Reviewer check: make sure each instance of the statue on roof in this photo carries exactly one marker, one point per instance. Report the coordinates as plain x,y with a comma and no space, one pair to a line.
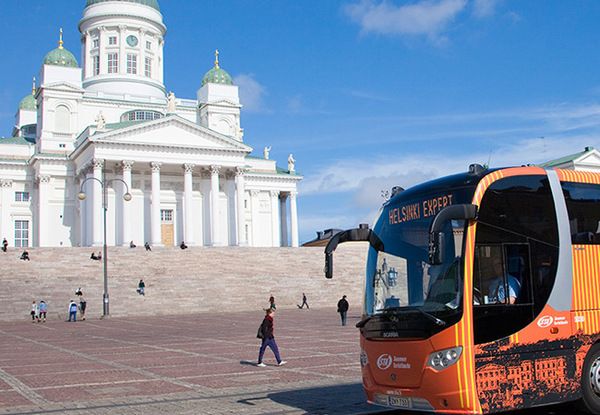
291,163
100,121
171,103
266,152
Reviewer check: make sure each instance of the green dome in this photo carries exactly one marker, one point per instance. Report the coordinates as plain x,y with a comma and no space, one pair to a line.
217,75
28,103
149,3
61,57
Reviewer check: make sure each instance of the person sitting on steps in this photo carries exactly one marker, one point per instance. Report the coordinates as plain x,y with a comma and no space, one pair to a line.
25,256
183,245
131,244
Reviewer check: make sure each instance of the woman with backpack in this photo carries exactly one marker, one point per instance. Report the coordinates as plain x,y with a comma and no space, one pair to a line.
265,332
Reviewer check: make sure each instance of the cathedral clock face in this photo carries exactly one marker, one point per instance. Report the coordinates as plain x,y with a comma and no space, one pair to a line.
132,40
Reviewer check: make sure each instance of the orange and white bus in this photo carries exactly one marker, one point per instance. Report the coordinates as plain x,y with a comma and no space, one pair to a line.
482,292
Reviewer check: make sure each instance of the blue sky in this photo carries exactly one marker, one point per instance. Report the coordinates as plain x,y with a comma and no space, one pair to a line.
366,94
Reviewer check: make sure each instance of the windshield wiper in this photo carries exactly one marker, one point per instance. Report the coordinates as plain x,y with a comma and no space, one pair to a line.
431,317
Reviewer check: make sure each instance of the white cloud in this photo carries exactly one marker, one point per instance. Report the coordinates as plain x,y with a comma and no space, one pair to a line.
252,93
423,18
365,179
484,8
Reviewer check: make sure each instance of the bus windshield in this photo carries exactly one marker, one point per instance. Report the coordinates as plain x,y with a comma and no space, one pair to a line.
400,281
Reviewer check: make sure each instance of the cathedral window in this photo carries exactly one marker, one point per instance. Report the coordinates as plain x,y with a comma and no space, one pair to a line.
96,63
62,119
148,68
141,115
148,45
21,233
95,43
113,63
21,196
112,40
131,63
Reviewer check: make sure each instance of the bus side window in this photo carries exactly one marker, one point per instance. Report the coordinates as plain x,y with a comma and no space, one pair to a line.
583,205
516,227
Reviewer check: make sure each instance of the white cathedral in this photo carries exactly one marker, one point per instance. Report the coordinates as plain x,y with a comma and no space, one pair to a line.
108,130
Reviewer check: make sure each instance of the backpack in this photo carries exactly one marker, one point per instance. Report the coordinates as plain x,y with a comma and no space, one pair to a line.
259,334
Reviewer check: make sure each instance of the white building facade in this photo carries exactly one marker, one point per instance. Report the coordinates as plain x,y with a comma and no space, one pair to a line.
108,127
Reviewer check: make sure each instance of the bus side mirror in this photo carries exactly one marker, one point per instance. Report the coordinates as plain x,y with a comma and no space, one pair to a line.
436,236
362,233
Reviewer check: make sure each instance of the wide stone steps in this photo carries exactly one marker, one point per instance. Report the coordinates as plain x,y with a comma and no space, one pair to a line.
177,282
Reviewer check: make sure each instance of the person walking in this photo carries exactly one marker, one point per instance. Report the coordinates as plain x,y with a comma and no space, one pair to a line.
34,311
304,302
272,303
266,333
4,245
342,308
147,246
72,311
82,306
43,309
141,287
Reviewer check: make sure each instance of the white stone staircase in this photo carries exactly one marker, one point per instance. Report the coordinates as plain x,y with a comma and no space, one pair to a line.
195,280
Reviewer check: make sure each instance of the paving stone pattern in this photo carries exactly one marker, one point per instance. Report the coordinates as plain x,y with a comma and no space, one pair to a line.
177,282
200,363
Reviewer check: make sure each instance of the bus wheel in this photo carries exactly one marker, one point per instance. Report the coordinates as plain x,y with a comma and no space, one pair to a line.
590,381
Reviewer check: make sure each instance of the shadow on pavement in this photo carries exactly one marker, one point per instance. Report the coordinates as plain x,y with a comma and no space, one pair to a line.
340,399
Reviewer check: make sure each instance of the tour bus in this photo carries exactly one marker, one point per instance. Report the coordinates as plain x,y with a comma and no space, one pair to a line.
482,292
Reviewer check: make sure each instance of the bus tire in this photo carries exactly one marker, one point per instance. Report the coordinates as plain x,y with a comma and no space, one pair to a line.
590,381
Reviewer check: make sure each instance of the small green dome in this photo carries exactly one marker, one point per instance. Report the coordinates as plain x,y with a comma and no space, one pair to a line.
61,57
28,103
149,3
217,75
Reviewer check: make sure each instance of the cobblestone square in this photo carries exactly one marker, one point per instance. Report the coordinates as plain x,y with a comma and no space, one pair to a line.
185,364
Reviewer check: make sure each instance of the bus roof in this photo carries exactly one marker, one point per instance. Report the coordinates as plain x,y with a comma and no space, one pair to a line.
454,181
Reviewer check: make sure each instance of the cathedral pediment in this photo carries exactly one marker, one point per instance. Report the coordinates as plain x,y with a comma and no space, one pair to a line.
63,86
171,131
589,158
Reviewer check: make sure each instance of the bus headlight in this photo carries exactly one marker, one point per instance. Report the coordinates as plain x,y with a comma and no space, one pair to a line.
444,358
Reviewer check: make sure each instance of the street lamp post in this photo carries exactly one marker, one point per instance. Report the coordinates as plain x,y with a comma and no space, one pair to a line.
127,198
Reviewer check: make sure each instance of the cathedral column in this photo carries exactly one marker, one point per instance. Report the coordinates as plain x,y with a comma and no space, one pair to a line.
214,204
275,218
5,210
102,40
188,226
97,216
87,66
42,212
155,232
294,218
284,220
122,52
254,215
241,211
126,222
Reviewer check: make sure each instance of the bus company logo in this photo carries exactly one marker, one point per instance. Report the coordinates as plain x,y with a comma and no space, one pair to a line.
545,321
384,361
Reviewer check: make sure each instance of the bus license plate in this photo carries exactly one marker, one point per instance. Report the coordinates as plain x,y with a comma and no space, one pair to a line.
399,402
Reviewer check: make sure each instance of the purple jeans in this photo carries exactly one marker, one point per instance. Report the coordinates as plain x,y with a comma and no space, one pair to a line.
271,343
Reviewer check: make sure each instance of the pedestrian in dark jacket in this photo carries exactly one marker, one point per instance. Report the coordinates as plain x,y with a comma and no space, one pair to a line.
141,289
265,332
304,302
342,308
4,245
